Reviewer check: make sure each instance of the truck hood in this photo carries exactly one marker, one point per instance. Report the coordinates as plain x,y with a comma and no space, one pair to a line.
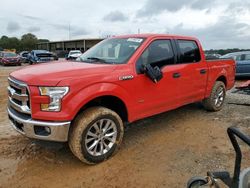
50,74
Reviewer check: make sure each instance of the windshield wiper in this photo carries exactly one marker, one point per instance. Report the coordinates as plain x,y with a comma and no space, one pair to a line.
97,59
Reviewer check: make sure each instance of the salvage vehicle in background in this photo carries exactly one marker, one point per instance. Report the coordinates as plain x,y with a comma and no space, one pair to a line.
9,58
74,54
120,80
55,56
242,62
23,56
238,179
212,56
40,56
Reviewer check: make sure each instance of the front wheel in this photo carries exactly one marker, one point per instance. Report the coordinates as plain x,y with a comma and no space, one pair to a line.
217,97
96,135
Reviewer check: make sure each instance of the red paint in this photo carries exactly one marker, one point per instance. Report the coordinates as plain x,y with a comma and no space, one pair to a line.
141,96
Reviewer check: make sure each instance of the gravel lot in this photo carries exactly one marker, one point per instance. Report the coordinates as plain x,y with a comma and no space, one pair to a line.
161,151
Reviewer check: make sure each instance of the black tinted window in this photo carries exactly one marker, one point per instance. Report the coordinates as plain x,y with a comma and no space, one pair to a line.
158,53
189,51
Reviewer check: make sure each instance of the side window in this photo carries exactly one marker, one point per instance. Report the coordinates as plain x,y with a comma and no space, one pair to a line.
158,53
238,57
247,57
190,52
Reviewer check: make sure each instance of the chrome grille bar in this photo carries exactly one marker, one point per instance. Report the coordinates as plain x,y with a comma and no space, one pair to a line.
18,96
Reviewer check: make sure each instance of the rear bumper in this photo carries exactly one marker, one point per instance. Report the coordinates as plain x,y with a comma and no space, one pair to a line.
42,130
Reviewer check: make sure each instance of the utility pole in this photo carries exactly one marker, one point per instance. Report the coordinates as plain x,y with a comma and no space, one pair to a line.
69,31
139,31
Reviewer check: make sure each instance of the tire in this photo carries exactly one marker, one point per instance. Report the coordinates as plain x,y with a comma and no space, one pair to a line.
217,97
196,182
85,141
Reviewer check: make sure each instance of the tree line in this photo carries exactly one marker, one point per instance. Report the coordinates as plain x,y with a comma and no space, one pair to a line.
27,42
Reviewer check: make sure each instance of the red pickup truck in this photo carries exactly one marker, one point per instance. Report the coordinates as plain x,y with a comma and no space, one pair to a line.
120,80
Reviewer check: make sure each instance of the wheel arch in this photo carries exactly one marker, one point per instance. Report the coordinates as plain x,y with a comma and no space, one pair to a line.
108,101
223,79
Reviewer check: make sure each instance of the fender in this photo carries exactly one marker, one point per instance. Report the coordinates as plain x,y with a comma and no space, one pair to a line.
76,99
85,95
213,79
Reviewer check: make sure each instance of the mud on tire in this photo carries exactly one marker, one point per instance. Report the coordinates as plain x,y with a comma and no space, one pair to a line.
216,99
96,135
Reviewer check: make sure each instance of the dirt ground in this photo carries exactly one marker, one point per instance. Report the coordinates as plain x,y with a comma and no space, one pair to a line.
161,151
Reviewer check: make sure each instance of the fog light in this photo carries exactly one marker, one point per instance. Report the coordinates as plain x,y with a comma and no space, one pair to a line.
47,129
42,131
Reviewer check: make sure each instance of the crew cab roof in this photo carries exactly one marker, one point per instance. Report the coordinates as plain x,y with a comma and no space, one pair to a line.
147,35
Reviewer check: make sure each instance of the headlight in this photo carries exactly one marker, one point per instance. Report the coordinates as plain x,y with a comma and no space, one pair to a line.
55,94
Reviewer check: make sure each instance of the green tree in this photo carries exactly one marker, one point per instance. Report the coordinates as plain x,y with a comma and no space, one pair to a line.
29,42
14,43
4,42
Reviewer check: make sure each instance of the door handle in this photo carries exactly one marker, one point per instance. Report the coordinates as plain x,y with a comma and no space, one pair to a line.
176,75
203,71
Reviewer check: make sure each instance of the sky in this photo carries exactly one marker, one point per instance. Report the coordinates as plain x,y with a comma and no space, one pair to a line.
217,23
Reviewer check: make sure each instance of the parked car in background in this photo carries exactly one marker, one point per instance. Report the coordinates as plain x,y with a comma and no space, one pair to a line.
120,80
23,56
242,62
74,54
55,56
9,58
40,56
212,56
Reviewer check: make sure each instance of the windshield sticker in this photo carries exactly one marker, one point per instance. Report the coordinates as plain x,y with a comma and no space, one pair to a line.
138,40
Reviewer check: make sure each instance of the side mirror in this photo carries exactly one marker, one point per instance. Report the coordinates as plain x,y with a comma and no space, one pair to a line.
154,74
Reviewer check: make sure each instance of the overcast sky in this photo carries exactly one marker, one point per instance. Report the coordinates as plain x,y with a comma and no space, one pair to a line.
218,23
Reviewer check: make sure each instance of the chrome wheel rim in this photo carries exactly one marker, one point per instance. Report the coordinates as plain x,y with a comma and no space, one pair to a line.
100,137
219,97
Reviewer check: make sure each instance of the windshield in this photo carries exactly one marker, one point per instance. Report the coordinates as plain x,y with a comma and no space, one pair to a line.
112,51
9,55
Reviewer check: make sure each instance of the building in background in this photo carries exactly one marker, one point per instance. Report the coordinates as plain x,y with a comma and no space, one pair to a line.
61,48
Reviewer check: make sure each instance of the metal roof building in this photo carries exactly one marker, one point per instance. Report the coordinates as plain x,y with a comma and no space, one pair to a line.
63,47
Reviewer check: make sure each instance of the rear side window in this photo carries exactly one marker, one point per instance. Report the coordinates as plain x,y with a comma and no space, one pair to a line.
247,57
189,50
238,58
158,53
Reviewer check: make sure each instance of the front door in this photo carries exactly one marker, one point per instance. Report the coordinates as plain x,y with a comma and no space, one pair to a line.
153,98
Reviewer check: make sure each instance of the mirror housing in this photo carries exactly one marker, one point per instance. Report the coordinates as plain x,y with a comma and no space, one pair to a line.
154,74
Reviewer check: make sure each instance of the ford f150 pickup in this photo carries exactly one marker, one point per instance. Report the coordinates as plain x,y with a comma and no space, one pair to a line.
120,80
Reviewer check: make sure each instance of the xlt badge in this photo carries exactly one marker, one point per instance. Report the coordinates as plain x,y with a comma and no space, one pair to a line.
128,77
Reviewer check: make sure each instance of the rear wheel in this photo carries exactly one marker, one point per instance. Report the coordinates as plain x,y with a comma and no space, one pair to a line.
217,97
96,135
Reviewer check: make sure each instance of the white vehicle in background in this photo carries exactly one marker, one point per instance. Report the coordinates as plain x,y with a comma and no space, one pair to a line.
74,54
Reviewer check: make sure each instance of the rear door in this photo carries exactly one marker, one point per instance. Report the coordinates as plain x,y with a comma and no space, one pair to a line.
193,71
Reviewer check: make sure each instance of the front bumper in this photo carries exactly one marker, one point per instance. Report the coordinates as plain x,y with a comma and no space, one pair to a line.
42,130
11,63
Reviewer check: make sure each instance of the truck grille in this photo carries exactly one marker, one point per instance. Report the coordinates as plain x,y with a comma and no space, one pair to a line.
18,96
